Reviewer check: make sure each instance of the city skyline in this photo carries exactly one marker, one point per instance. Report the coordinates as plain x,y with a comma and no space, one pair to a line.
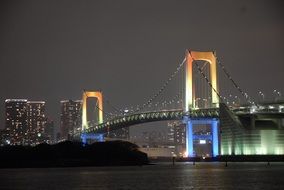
53,52
92,90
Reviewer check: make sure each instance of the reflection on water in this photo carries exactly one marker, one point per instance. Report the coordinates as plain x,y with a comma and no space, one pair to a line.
161,176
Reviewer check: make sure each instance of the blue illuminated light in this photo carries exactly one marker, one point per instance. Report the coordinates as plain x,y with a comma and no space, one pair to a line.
97,137
190,137
214,127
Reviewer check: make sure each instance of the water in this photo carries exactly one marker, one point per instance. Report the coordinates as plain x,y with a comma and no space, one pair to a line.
161,176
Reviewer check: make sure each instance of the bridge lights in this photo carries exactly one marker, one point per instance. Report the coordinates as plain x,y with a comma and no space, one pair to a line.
261,95
277,95
238,100
205,102
281,108
196,102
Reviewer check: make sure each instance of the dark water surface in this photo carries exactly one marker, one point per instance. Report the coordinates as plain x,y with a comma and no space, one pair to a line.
161,176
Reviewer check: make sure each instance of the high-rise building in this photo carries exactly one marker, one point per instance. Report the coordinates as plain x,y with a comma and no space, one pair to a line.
177,136
16,120
171,132
36,122
4,137
176,133
50,131
70,118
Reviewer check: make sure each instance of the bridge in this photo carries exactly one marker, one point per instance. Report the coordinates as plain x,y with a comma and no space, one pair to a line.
217,112
144,117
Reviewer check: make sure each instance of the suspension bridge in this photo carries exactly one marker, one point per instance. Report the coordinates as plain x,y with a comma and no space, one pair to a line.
215,110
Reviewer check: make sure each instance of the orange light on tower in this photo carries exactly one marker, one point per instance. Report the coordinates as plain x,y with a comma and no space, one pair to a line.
91,94
189,92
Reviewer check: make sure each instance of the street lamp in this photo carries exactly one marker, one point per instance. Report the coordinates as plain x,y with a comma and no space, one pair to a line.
196,102
279,94
275,94
205,102
261,94
239,100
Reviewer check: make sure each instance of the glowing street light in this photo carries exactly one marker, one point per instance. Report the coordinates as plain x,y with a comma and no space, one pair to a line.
238,99
261,94
196,102
275,94
205,102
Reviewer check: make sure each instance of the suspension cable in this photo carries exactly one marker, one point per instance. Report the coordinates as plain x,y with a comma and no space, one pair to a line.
116,109
161,90
208,82
107,113
245,95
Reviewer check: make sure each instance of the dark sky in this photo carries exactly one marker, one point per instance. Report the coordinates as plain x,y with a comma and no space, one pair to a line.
52,50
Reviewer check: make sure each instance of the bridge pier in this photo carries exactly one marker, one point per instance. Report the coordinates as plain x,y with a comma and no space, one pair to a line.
95,137
190,137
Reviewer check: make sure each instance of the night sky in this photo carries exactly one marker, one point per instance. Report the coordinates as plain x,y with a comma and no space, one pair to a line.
52,50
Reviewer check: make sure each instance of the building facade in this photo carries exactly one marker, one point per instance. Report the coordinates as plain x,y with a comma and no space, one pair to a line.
16,121
120,134
177,136
70,118
36,122
50,131
25,122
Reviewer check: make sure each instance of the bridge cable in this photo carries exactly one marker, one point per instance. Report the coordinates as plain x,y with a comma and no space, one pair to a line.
245,95
107,113
162,88
208,82
116,109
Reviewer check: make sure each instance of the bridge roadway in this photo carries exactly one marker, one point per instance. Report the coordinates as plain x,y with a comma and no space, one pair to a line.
163,115
176,114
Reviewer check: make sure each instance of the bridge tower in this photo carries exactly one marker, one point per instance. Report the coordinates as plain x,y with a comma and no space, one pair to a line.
210,57
189,90
99,96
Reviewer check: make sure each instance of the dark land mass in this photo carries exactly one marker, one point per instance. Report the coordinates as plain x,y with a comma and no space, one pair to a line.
72,154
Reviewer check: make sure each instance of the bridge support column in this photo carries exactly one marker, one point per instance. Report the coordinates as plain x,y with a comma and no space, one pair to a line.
190,137
192,56
95,137
215,138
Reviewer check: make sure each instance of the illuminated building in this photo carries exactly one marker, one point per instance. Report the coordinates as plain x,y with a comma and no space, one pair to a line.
36,121
16,120
176,133
49,131
251,134
4,137
179,134
70,118
171,132
119,133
